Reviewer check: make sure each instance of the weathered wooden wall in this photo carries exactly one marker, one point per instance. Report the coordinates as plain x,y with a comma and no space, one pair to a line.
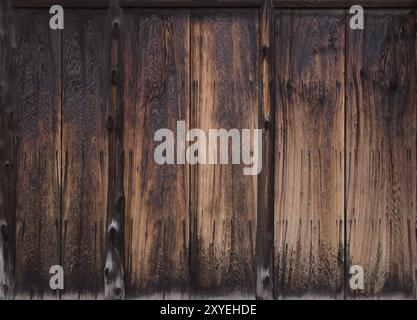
80,187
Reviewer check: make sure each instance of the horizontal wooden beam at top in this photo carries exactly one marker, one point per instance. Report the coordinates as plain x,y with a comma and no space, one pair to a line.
137,3
218,3
191,3
345,3
277,3
64,3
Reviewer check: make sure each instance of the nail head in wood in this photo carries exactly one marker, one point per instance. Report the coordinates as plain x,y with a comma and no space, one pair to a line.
6,166
116,27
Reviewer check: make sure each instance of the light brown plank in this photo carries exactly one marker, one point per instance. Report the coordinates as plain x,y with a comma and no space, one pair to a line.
309,159
381,153
224,208
156,95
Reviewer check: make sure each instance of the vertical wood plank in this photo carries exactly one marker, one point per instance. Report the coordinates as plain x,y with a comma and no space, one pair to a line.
38,100
381,153
224,201
265,230
114,267
84,152
309,165
156,95
7,169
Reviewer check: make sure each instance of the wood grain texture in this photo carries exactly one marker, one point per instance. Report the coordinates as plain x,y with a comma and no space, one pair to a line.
265,230
224,94
114,285
7,154
38,101
156,95
219,3
84,152
309,159
381,153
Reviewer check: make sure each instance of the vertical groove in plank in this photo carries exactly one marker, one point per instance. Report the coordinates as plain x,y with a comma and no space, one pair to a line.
309,159
84,152
38,102
156,95
114,265
224,205
7,169
265,230
381,153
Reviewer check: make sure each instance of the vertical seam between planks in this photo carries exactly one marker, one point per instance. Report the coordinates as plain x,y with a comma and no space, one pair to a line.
273,134
61,152
120,62
344,158
415,137
13,143
265,181
189,165
260,117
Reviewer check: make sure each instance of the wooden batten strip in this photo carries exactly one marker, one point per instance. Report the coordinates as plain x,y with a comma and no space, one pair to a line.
264,242
114,270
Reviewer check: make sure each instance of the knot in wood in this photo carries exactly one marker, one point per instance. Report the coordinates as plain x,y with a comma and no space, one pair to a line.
264,51
266,125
